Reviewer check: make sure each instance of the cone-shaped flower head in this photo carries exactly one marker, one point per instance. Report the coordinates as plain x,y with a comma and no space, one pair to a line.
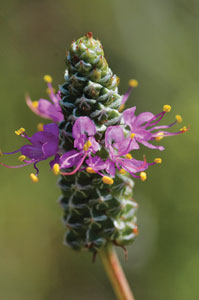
95,146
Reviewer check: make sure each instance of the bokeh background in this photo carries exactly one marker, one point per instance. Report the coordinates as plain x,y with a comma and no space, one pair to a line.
155,42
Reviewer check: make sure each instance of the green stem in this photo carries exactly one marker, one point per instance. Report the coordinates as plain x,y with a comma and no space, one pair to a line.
116,274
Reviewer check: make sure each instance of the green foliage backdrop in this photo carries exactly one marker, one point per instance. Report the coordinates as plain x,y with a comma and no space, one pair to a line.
155,42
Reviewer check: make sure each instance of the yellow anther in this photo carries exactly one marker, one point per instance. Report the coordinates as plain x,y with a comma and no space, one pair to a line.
167,108
122,171
178,118
132,135
1,153
121,108
21,157
107,180
158,160
133,83
56,169
184,129
48,91
35,104
40,126
87,145
143,176
128,156
34,178
159,136
90,170
48,78
20,131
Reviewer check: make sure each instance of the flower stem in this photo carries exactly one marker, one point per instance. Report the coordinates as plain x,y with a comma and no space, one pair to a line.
115,273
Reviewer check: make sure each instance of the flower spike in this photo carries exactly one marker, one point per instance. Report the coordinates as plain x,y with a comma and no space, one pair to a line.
93,146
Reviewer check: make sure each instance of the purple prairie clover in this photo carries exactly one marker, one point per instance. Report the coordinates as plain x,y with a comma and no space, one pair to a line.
83,133
43,144
119,156
44,108
144,127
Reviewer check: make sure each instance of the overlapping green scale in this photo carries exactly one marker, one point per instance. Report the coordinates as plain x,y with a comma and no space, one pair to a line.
94,213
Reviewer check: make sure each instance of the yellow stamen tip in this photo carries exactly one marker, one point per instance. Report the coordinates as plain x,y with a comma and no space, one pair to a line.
35,104
121,108
184,129
90,170
48,78
133,83
20,131
34,178
167,108
132,135
107,180
21,157
56,169
40,126
122,171
87,145
178,118
159,136
143,176
128,156
1,153
158,160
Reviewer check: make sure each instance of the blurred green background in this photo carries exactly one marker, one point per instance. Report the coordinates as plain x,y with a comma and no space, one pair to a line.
155,42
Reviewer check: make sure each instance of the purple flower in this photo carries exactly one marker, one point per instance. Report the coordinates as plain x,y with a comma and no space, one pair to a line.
83,133
43,144
44,108
119,156
144,129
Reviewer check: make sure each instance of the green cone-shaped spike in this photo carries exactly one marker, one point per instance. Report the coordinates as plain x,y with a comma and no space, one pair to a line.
95,213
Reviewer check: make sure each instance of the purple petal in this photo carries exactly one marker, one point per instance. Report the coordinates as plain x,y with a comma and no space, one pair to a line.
110,167
52,128
133,165
70,159
114,134
49,110
32,152
126,146
49,149
34,109
142,134
80,141
83,125
95,145
142,118
96,163
129,115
